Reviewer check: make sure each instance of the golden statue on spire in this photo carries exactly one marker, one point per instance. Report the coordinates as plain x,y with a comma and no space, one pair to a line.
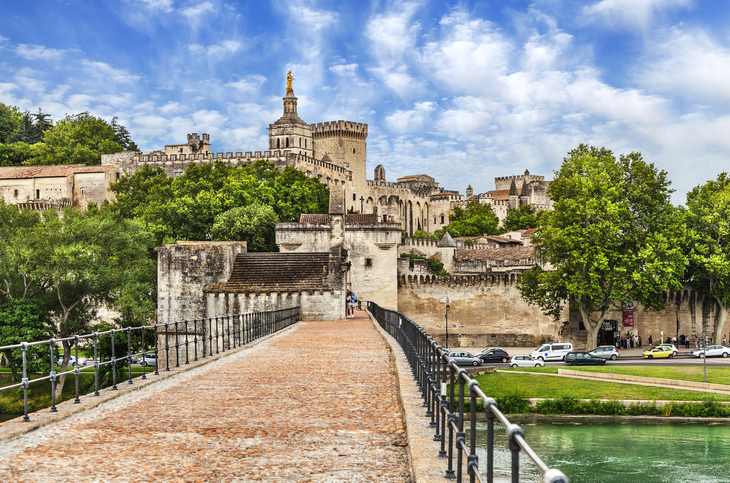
289,89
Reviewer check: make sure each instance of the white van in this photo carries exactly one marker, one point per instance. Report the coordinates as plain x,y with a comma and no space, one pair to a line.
552,352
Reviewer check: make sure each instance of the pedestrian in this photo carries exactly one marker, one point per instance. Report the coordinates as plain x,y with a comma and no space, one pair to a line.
674,341
636,341
353,301
724,340
348,305
697,342
639,342
650,341
686,342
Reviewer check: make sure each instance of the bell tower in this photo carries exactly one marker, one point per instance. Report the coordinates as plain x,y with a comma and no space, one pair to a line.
289,134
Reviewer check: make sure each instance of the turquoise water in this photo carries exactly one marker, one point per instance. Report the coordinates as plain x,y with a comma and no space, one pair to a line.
620,452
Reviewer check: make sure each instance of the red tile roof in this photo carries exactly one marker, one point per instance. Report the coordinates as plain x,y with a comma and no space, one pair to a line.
55,171
516,253
498,194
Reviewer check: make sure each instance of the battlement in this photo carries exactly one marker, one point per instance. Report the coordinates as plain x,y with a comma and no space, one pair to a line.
194,138
339,128
531,177
416,277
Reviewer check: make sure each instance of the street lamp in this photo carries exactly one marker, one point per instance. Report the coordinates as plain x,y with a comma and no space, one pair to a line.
447,322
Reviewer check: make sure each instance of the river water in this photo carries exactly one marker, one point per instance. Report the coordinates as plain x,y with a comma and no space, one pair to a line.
620,451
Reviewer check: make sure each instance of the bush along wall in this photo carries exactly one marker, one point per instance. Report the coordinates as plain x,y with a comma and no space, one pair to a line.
572,406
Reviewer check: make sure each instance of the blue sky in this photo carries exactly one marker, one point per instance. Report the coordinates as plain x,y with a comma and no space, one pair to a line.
463,91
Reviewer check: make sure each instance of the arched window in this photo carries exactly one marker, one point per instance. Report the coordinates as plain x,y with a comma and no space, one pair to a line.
287,142
278,143
442,219
434,220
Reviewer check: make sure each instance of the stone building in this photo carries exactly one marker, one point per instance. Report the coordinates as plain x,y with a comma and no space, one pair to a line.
334,152
511,192
55,187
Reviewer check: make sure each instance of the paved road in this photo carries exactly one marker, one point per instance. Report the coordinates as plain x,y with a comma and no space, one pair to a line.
317,403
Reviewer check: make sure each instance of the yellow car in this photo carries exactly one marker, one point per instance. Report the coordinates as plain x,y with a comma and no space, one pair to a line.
658,352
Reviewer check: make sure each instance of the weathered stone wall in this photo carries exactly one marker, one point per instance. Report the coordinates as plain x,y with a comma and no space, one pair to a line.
184,269
485,310
93,188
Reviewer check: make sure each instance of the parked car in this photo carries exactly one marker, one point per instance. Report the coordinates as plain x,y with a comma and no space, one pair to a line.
494,355
583,359
525,361
712,351
671,346
148,360
552,351
605,352
659,352
464,358
72,361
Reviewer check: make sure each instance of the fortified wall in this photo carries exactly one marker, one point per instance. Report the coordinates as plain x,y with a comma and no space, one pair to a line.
486,310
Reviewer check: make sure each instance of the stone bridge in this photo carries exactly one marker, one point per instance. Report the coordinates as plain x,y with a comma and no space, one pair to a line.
323,401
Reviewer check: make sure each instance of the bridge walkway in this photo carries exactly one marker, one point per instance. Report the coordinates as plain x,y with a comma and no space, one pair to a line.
318,402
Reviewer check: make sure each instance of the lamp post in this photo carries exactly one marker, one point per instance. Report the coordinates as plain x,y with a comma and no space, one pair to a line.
447,322
704,354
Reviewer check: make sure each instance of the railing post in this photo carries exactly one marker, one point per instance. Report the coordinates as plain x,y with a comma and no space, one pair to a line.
216,335
489,406
187,343
129,354
144,352
52,343
472,461
210,336
460,434
195,338
96,364
77,369
25,383
451,423
512,431
167,347
177,345
157,349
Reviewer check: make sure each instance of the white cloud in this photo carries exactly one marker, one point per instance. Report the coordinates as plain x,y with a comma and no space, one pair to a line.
636,13
171,107
224,48
393,34
163,5
689,65
248,84
38,52
313,20
196,10
414,120
107,72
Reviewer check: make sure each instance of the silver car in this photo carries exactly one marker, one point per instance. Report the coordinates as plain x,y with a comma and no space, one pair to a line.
465,358
525,361
605,352
712,351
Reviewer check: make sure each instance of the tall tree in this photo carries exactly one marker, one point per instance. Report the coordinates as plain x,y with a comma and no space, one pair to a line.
24,320
522,218
96,259
77,139
122,136
613,235
253,223
10,120
475,220
708,244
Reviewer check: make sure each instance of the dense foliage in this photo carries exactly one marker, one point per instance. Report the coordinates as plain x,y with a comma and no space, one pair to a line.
27,138
74,264
197,205
612,235
522,218
475,220
708,244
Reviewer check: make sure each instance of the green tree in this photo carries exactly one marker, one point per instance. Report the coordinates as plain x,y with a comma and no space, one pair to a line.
11,120
475,220
77,139
424,235
185,208
253,223
94,259
122,136
23,320
708,244
612,235
15,154
522,218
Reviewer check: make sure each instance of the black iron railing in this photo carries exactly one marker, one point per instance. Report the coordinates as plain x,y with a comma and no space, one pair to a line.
173,342
438,379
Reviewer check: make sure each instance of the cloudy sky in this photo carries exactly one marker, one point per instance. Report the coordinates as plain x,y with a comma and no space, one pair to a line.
464,91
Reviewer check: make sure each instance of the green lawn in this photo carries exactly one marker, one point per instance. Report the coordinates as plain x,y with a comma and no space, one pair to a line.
715,375
501,384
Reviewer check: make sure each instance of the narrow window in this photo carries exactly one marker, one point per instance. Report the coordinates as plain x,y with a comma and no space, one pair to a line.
117,175
442,219
16,193
354,197
305,144
37,194
353,150
300,142
82,191
287,142
278,143
434,220
368,262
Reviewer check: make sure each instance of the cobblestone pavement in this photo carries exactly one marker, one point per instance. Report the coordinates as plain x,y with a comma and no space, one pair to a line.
316,403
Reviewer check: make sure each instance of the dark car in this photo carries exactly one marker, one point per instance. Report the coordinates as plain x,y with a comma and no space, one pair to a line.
494,355
583,359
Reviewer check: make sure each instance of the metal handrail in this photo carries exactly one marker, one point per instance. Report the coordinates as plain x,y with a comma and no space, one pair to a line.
246,328
438,378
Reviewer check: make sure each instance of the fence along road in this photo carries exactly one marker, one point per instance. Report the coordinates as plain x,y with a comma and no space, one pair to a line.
318,402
